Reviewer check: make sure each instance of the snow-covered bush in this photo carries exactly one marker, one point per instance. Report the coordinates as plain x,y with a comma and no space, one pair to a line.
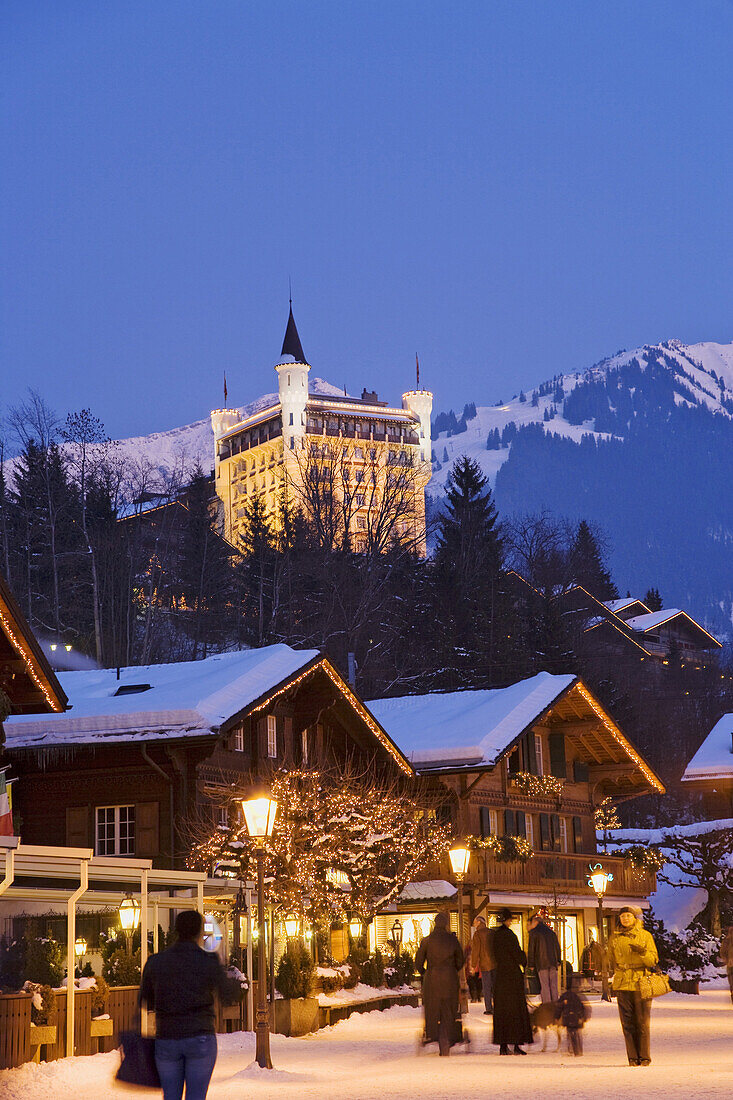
372,970
295,973
43,1003
330,980
121,968
401,971
44,958
688,955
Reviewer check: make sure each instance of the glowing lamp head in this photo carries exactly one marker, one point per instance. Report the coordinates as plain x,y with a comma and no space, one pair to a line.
80,947
355,929
598,880
129,911
291,927
259,815
459,860
397,931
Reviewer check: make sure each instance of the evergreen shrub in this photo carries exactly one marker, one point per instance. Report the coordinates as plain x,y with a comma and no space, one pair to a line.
295,973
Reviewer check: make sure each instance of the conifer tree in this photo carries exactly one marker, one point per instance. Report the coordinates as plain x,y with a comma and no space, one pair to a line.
588,568
653,600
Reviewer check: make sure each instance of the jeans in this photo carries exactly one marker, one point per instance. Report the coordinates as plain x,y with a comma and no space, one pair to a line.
548,984
487,986
190,1061
635,1015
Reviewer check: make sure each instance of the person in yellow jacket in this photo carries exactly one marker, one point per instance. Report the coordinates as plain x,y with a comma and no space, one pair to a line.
632,952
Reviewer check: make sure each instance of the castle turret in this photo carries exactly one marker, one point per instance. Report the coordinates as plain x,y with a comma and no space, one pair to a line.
420,404
222,421
293,393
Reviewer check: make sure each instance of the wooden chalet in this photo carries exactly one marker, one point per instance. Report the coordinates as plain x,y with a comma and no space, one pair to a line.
135,755
532,760
26,678
710,771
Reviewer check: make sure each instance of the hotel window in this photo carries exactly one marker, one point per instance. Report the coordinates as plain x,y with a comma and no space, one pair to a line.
563,822
358,451
271,736
529,826
359,500
115,831
361,523
223,817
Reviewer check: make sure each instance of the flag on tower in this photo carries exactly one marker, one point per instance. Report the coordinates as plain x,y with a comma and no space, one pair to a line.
417,366
225,389
6,810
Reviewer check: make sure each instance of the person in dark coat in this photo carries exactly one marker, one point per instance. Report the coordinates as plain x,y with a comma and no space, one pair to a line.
439,959
511,1017
572,1012
543,955
179,985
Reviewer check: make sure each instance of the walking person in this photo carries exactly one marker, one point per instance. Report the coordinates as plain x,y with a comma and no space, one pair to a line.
543,955
726,956
511,1018
179,985
631,952
439,960
483,962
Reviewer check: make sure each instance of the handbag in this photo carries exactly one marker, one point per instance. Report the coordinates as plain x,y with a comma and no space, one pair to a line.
653,983
138,1060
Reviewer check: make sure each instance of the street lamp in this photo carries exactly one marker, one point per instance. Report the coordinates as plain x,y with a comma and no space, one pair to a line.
129,910
80,948
291,927
355,930
598,880
459,857
397,937
259,816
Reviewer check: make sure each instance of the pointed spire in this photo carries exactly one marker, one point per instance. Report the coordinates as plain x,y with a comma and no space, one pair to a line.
291,343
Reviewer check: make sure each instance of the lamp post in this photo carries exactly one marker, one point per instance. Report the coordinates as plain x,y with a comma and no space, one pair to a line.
355,927
291,927
259,816
397,937
129,910
598,880
459,857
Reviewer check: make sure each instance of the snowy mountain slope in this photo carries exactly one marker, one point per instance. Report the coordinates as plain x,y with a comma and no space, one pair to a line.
702,373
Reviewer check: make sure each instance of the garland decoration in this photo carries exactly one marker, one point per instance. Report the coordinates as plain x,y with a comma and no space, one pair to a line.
538,786
504,849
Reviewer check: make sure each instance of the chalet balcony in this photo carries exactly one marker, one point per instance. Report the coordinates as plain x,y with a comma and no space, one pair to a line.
545,870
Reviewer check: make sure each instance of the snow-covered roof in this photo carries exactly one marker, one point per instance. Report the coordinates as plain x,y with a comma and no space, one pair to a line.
619,605
462,728
431,890
714,758
644,623
185,699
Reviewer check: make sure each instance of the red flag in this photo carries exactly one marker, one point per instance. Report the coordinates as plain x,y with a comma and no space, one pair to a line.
6,813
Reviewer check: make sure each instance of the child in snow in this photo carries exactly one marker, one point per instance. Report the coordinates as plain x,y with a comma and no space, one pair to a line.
572,1012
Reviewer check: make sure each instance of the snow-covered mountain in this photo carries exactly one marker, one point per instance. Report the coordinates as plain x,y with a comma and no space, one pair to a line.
698,375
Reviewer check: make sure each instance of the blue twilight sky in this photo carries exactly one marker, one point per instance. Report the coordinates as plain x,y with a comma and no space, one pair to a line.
511,189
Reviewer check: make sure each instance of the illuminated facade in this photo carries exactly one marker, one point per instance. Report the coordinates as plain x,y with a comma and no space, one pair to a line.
282,450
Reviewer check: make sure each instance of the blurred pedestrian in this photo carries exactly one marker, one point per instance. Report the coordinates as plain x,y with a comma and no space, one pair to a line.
483,962
439,960
179,986
572,1012
726,956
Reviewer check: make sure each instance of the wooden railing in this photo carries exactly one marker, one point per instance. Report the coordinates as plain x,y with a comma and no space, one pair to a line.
545,870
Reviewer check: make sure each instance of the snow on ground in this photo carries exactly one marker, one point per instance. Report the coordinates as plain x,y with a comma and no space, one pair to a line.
368,1057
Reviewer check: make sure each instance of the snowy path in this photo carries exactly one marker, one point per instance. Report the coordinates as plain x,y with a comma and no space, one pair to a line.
374,1056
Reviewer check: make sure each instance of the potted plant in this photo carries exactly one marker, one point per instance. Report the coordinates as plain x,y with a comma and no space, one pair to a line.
296,1013
101,1020
43,1017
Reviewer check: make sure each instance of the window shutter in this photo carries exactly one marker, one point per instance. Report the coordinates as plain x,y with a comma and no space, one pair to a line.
557,755
555,833
509,823
530,754
77,827
545,842
577,834
514,763
147,842
521,828
580,771
485,820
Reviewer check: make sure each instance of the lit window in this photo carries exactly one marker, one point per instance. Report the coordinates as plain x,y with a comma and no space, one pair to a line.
271,736
115,831
538,753
239,740
304,746
529,828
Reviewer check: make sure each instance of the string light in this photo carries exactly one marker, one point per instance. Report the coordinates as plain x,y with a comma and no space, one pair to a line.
620,739
28,658
538,786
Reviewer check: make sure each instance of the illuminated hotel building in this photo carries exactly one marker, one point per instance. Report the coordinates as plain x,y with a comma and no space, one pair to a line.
272,452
